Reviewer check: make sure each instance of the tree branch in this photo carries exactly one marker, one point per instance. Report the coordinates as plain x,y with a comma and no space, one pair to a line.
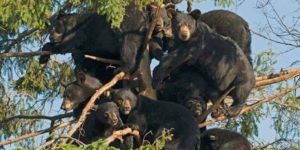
275,78
62,125
281,93
105,60
215,105
52,118
120,133
90,104
279,42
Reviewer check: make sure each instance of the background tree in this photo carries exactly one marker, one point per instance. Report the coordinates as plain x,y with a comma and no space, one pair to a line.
29,92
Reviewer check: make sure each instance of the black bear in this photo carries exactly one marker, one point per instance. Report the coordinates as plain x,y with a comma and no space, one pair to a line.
220,60
100,124
92,34
185,86
221,139
79,91
230,24
146,115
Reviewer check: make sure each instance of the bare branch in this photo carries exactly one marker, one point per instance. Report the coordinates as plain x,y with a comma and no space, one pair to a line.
282,76
52,118
105,60
281,93
279,42
62,125
272,143
35,53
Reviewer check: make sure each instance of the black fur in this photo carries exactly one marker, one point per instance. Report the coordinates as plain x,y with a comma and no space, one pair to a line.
219,59
92,34
100,123
221,139
186,86
147,115
79,91
230,24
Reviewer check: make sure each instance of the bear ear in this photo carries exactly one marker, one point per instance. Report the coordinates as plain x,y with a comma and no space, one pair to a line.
195,13
170,6
80,76
171,12
113,93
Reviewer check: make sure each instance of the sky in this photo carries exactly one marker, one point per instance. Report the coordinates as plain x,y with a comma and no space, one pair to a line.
256,20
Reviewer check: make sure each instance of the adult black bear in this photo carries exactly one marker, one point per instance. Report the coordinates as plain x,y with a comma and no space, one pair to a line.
220,60
92,34
221,139
230,24
146,115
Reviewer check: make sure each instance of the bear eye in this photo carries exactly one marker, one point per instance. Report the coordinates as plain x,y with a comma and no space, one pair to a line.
189,26
106,115
119,101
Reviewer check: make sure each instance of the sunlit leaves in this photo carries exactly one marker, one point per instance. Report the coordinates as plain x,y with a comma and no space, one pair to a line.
30,13
264,62
224,3
100,144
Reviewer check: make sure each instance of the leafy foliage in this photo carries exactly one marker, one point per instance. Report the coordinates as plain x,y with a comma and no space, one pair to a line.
29,13
101,144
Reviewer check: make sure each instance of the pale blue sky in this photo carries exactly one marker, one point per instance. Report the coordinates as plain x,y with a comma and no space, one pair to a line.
256,20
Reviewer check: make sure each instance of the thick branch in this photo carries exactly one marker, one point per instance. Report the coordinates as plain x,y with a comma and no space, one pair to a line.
36,133
52,118
91,102
252,106
273,75
282,76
